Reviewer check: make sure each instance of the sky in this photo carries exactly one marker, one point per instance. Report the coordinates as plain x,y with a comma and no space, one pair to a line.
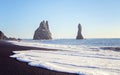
99,18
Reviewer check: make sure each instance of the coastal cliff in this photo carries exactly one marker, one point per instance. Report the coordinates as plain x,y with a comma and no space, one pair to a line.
2,36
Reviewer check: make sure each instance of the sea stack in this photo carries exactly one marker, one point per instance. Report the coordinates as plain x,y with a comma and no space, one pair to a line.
42,32
79,34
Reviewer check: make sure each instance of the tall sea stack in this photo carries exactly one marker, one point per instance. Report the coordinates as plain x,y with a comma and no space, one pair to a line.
79,34
42,32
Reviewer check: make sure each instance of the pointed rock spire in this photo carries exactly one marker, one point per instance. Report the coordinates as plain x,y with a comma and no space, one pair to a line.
79,34
42,32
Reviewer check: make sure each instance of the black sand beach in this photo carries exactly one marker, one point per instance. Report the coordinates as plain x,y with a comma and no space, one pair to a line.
10,66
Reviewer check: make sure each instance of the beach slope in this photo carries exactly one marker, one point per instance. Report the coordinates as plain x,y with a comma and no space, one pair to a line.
10,66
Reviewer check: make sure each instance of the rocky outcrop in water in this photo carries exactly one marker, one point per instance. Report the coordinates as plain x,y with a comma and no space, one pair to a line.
2,36
42,32
79,34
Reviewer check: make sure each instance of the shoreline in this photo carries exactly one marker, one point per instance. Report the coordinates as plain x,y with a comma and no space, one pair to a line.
10,66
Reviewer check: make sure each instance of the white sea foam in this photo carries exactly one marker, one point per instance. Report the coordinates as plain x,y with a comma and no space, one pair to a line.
83,60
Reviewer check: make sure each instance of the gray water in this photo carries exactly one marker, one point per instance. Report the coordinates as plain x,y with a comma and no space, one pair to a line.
88,42
84,57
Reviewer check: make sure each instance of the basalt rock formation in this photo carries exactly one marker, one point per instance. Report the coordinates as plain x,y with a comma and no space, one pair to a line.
2,36
79,34
42,32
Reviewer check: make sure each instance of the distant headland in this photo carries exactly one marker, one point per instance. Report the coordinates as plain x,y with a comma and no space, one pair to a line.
4,37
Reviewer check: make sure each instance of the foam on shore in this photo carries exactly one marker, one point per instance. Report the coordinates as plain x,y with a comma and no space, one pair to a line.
83,60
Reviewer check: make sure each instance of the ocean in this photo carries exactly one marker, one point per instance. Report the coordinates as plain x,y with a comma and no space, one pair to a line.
84,57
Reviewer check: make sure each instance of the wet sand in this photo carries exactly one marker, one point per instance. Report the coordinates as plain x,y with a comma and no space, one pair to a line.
10,66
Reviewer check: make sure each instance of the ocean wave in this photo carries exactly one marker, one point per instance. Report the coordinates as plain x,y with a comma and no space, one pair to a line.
80,59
